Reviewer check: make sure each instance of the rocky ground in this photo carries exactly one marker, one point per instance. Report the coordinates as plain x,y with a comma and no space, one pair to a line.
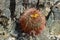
11,10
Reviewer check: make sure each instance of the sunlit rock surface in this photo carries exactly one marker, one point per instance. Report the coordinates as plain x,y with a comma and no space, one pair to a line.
11,32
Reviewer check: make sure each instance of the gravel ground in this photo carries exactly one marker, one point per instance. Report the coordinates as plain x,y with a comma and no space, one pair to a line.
49,8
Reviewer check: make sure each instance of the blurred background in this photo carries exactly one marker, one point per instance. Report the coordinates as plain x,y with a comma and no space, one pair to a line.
11,11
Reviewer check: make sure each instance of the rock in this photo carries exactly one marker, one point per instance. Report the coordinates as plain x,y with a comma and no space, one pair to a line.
52,26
